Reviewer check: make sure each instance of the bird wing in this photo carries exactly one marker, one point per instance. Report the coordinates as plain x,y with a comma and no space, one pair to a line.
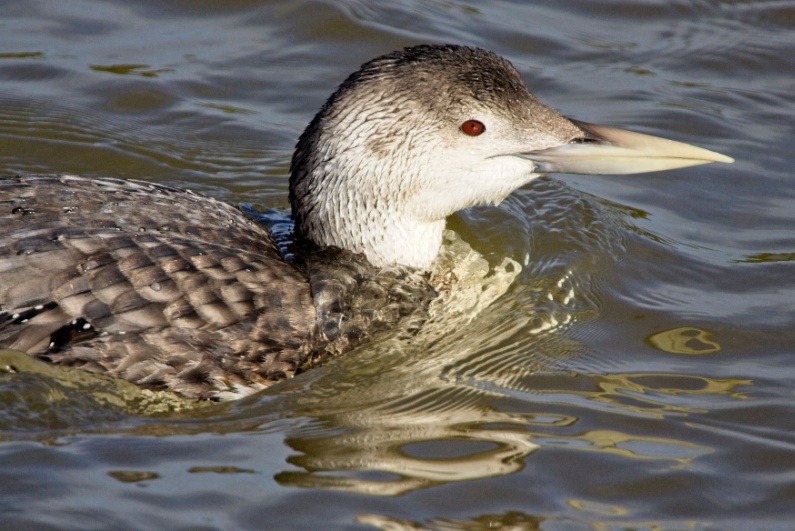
153,284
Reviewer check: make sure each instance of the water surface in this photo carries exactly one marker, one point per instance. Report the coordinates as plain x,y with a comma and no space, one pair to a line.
637,374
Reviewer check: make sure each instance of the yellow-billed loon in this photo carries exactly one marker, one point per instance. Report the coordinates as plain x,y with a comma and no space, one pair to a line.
173,290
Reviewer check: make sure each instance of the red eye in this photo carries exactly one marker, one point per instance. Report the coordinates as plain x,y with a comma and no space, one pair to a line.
473,128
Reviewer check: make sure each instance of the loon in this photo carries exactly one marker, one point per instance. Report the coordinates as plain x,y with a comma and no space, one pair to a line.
175,291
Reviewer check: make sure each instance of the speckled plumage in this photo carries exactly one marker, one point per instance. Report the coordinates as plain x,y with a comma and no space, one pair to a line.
173,290
94,276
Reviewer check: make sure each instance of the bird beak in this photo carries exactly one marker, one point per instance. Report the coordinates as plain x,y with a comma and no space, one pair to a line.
606,150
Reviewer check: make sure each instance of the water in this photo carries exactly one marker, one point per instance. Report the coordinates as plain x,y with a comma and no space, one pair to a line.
637,374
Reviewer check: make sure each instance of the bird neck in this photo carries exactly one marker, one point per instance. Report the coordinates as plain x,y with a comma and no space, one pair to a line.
336,215
354,191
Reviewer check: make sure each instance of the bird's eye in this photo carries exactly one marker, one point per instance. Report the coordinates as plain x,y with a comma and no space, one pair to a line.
473,128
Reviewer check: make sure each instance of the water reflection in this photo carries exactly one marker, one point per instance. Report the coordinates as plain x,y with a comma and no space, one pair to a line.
684,340
449,415
474,395
520,521
128,69
449,431
631,446
409,417
377,461
39,399
766,258
657,395
513,520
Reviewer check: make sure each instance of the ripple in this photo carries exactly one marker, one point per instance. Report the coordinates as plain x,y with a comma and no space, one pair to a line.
557,412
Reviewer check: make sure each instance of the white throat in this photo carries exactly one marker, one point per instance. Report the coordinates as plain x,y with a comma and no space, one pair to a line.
388,158
389,199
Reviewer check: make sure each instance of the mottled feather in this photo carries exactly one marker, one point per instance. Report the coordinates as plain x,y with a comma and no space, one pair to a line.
200,302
